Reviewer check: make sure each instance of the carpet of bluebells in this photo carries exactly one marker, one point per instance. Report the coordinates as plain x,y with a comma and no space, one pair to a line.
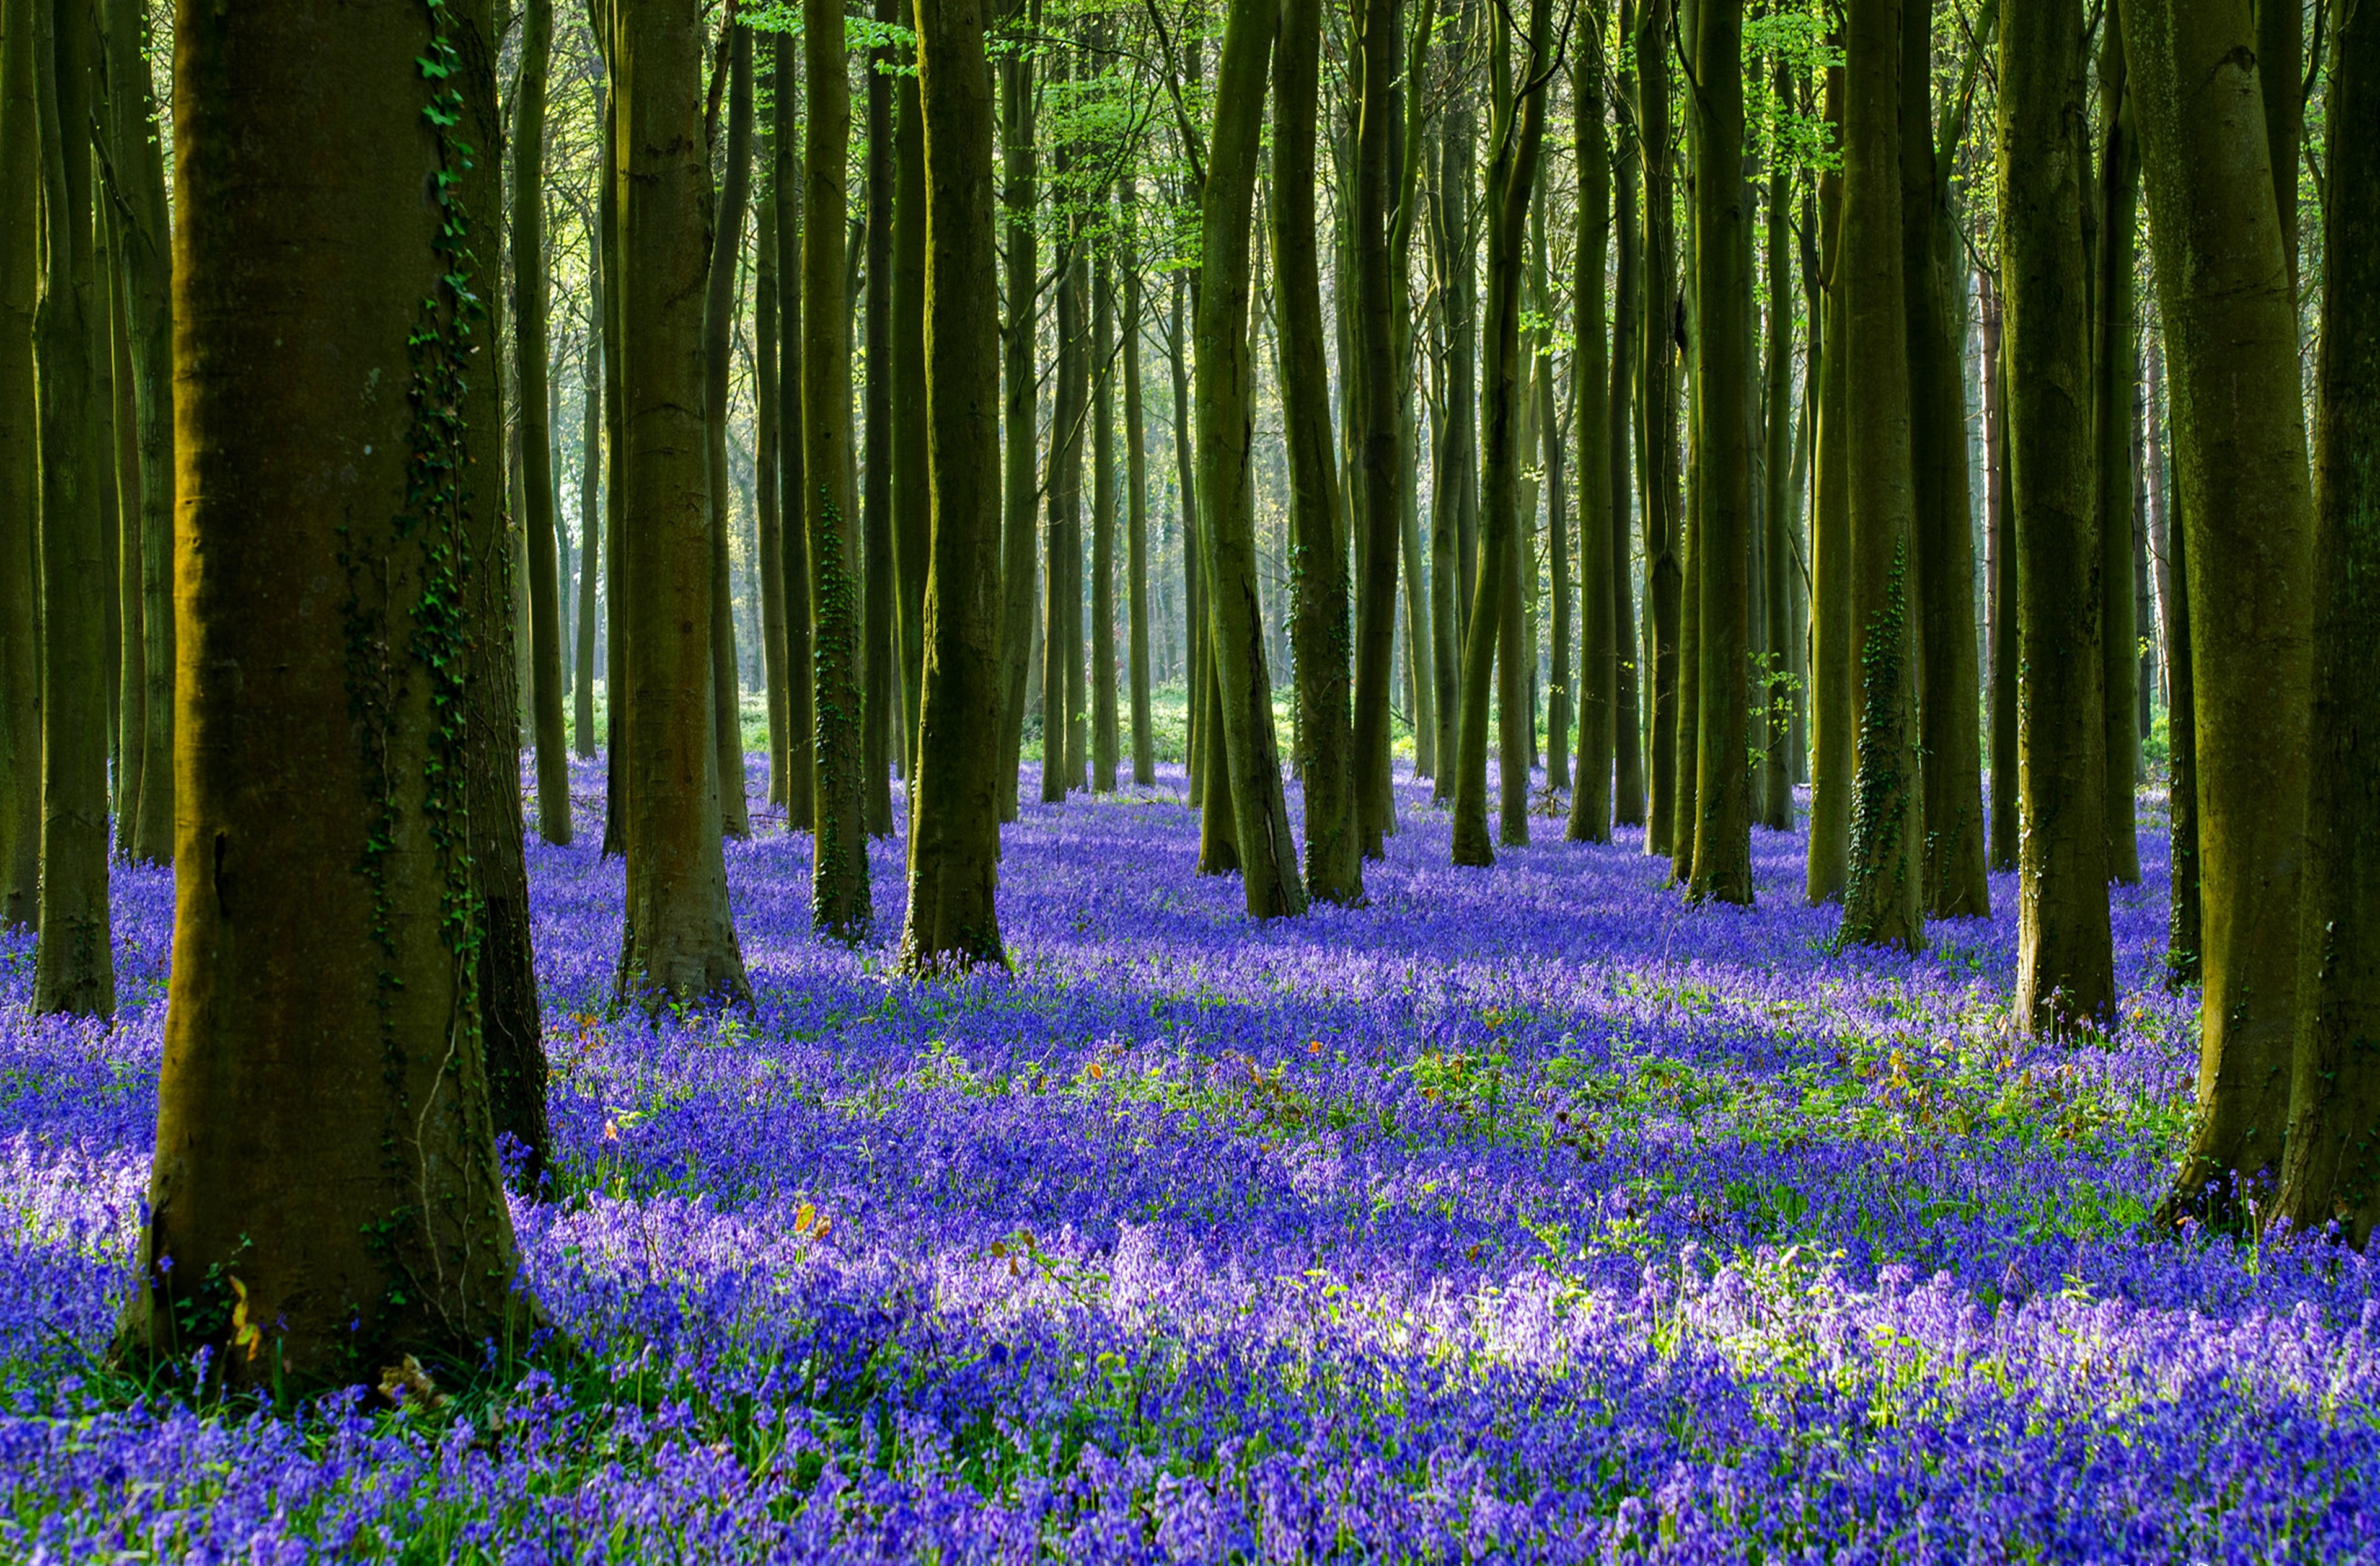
1524,1214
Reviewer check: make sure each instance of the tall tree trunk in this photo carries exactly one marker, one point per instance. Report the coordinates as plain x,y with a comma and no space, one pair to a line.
144,255
592,534
323,1127
2331,1171
2064,964
954,813
1999,524
1062,601
1020,473
727,251
1450,485
1722,867
1249,757
130,637
1420,621
529,356
1105,739
1557,549
1196,659
912,471
768,441
608,214
2230,335
1318,610
1627,737
1882,903
840,905
793,539
1776,684
22,259
1834,678
75,967
1136,458
678,941
1601,438
1663,338
1949,688
2116,373
1378,25
2182,930
880,697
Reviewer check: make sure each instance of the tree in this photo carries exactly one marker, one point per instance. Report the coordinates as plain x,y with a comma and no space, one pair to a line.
768,441
840,905
912,471
1380,375
1334,867
537,441
2331,1170
1722,860
954,831
1599,436
591,531
678,942
2230,315
1881,897
1663,337
325,1164
879,671
725,252
2065,959
1241,700
1777,546
2116,366
1020,470
1136,454
1105,740
792,534
74,967
1834,680
20,471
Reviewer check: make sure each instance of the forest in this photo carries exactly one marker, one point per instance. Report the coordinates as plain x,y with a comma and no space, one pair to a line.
1190,780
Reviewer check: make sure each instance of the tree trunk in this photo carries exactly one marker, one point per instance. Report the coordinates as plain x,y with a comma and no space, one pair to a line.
1135,459
1882,903
1949,687
128,639
1602,507
615,494
954,815
1663,338
1380,28
75,967
678,943
793,532
326,1168
2116,369
1249,758
1021,470
768,441
591,532
530,290
21,173
1776,686
1334,762
1061,600
2230,335
1834,680
880,674
1196,659
911,469
1105,740
1999,523
1627,740
720,309
1722,867
143,254
840,903
2065,972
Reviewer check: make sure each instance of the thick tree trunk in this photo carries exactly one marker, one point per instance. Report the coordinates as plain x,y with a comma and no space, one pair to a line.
1949,687
75,967
529,292
1383,474
1775,716
1627,736
840,899
1657,447
2230,334
954,813
912,471
2000,525
1318,616
2116,373
720,309
2064,964
1248,758
1882,896
793,539
324,1131
1600,438
1722,867
1834,675
880,674
143,255
1020,474
678,942
615,494
21,472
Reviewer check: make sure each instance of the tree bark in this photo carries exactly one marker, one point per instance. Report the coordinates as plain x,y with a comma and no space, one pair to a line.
74,969
21,173
529,356
2229,313
1776,687
1882,896
726,253
1136,456
879,671
2116,372
1318,610
1379,127
1105,742
1722,867
1602,507
326,1170
678,942
1627,746
955,819
1062,769
1021,470
912,472
2065,962
840,899
768,441
1999,523
793,540
1663,338
1834,678
592,534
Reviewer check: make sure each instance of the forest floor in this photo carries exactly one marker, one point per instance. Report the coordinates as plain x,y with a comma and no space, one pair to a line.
1526,1213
